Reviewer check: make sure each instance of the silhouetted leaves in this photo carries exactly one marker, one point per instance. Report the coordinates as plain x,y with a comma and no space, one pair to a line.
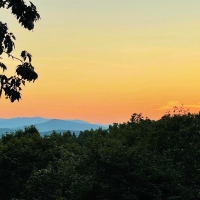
26,15
25,54
3,66
11,87
26,71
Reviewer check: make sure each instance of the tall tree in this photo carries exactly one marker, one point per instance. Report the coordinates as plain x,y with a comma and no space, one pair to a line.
26,15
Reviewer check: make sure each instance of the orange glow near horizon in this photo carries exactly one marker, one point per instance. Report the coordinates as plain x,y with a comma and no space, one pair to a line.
101,62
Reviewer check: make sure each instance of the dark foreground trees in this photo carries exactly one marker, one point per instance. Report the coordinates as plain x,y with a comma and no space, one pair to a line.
26,15
138,160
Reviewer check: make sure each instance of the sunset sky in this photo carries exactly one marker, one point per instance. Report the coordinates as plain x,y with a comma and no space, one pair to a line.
103,60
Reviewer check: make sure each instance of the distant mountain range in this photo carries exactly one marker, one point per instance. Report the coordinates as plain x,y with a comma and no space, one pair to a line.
46,125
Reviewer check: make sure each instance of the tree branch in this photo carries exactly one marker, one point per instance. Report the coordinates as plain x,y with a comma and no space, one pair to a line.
13,57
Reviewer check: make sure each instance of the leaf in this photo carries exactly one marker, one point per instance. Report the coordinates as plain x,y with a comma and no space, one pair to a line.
10,46
1,90
13,37
3,66
32,4
23,82
29,56
24,54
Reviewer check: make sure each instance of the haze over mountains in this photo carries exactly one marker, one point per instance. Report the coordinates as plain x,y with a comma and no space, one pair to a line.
46,125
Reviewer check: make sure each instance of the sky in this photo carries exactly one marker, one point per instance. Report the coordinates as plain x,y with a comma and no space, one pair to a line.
103,60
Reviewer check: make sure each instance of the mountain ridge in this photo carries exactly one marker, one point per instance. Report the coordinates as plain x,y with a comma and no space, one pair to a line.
46,125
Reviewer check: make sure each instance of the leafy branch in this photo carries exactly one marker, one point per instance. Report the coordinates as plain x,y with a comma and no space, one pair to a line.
26,15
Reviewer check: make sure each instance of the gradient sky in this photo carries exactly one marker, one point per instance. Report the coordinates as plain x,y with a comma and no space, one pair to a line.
103,60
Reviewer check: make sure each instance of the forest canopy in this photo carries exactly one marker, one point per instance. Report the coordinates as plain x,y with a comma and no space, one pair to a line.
136,160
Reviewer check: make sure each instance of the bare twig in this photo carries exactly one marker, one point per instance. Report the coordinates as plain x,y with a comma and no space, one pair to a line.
13,57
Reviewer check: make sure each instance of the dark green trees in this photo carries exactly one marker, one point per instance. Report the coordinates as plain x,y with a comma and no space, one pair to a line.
138,160
26,15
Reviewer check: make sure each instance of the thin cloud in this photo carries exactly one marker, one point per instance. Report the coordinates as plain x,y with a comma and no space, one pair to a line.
193,105
172,104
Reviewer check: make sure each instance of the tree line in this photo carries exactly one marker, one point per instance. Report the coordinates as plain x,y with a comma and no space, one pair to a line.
136,160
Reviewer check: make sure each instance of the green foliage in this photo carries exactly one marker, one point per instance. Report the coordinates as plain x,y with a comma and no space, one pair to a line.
138,160
26,16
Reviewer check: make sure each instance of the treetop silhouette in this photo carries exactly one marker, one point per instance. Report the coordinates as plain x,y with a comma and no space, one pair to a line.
26,15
